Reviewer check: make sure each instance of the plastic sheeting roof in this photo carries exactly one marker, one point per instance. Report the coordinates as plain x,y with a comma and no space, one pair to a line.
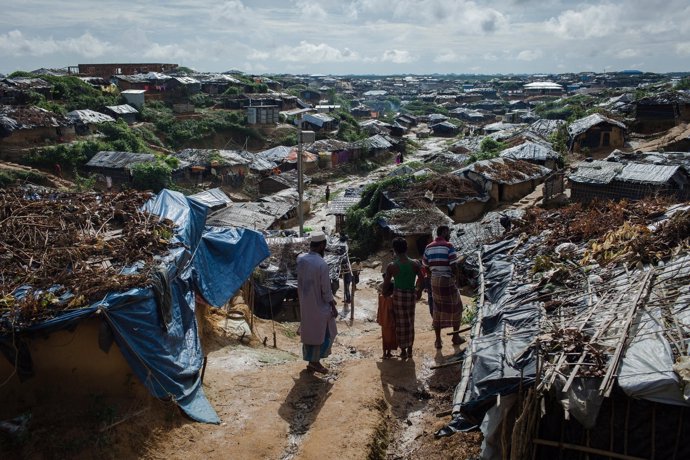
583,124
603,172
529,151
119,160
122,109
88,116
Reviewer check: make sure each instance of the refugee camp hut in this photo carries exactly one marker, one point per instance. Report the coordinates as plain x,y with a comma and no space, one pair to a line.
581,364
445,129
505,180
214,199
218,83
225,167
546,128
86,121
258,164
339,206
123,112
135,97
415,225
121,334
258,216
28,126
596,132
289,197
534,153
371,147
457,197
319,122
115,168
330,154
608,180
310,161
182,87
278,155
277,182
661,112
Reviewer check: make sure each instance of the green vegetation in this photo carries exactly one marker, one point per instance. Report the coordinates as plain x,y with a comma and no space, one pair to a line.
559,139
683,83
9,178
118,136
568,109
185,132
154,176
361,219
424,108
348,129
489,148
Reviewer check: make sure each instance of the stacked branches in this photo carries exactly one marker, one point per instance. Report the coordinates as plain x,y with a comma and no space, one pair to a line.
67,250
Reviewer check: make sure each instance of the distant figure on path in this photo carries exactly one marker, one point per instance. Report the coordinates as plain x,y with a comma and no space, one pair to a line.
406,275
441,259
317,307
328,193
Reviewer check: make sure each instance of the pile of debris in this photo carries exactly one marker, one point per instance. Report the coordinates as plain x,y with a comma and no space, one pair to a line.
436,189
508,170
63,251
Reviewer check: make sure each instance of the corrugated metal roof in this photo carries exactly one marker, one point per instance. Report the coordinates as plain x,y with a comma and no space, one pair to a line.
187,80
204,157
89,116
276,154
647,173
213,198
546,128
119,160
583,124
530,151
259,216
122,109
595,172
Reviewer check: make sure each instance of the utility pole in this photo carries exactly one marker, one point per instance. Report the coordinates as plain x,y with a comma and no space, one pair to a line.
300,180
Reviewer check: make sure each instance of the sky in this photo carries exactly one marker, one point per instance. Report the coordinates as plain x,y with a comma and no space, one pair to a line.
341,37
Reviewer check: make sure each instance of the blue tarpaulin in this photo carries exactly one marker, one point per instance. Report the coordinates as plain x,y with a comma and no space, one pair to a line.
161,342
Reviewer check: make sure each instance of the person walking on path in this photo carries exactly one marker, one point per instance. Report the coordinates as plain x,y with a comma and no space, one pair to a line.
317,306
406,276
441,259
328,193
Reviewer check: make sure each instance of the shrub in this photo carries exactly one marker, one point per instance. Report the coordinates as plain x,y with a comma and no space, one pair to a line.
153,175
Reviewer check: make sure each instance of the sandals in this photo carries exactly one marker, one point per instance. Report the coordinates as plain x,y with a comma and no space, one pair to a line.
317,368
403,354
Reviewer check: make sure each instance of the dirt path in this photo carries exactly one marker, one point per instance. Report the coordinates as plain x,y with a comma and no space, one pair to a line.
366,407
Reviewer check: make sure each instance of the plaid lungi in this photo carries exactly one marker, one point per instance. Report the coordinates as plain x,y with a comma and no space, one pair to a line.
403,311
447,304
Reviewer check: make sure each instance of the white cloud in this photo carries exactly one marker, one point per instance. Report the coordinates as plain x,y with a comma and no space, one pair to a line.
310,10
627,53
683,48
14,43
166,52
397,56
312,53
448,56
592,21
529,55
256,55
490,57
233,12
